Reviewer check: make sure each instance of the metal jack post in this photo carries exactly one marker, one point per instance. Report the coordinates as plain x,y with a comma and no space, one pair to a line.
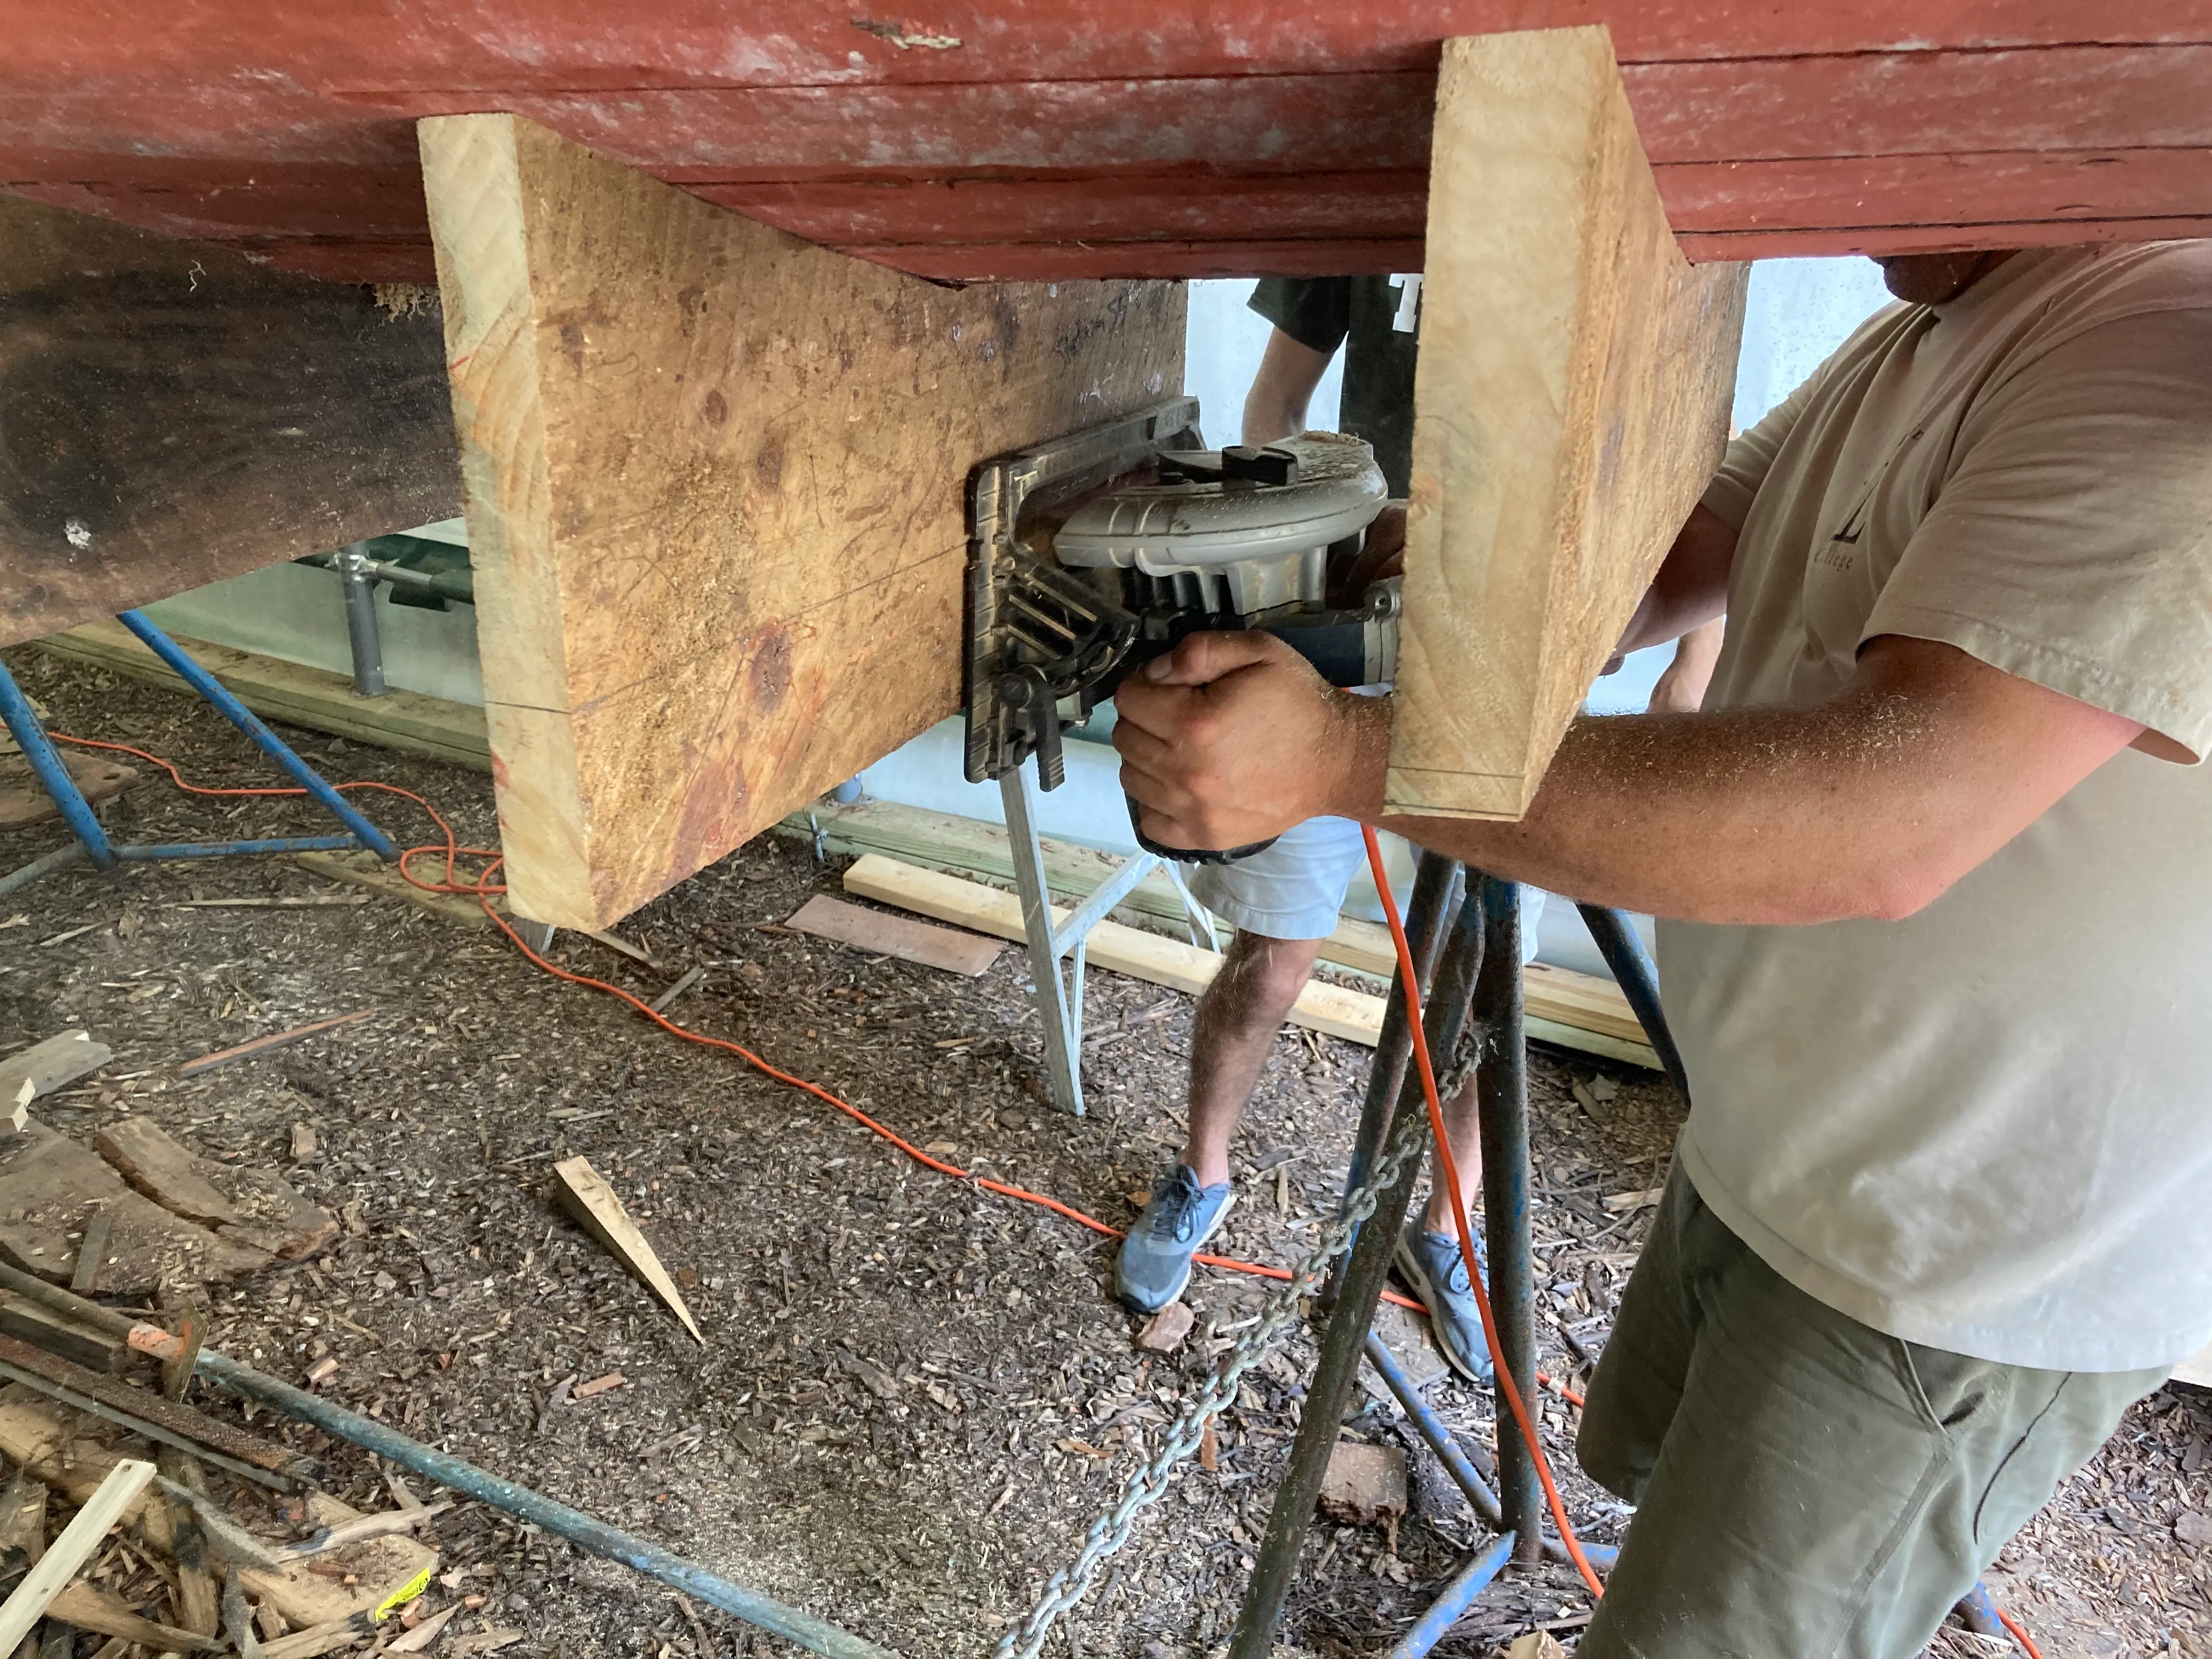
91,841
1501,1081
1346,1335
1060,1003
367,645
1439,885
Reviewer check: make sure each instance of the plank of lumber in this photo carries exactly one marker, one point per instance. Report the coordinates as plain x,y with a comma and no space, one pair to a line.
585,1194
877,934
1570,405
59,1060
68,1552
293,693
1353,1015
715,485
970,847
172,413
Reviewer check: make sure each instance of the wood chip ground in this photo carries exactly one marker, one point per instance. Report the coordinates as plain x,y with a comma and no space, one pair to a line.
878,1429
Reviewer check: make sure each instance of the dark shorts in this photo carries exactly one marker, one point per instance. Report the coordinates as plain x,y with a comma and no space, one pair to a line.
1806,1487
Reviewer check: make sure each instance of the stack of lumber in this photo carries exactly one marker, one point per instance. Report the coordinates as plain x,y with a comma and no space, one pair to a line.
1573,1010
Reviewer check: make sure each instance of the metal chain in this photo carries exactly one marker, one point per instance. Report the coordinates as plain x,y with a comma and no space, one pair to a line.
1145,1486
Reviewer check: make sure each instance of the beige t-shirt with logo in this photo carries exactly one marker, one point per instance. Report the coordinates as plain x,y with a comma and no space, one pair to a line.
1987,1127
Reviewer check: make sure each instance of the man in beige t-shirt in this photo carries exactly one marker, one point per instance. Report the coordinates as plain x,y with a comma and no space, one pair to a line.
1936,863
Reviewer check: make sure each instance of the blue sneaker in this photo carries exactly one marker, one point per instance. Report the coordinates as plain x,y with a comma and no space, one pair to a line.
1155,1261
1437,1272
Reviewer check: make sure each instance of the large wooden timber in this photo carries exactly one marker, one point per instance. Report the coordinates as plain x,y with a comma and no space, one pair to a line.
172,413
977,140
1571,403
715,481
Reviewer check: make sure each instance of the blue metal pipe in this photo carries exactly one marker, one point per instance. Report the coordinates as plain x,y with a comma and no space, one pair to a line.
1624,952
45,863
1441,1441
584,1530
216,849
46,764
270,744
1453,1600
1431,1429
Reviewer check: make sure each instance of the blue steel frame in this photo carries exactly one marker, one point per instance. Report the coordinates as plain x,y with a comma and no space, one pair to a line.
91,841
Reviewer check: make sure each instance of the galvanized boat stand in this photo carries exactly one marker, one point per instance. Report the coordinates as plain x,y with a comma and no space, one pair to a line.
89,839
1464,929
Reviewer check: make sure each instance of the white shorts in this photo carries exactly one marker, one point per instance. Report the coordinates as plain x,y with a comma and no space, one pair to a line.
1292,890
1296,888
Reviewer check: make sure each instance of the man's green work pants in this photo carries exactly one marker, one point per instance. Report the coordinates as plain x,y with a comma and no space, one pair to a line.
1806,1487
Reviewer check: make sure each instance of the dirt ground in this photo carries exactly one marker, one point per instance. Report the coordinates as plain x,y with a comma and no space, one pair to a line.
914,1396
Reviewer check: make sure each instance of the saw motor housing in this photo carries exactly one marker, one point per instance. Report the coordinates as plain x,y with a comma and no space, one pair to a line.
1092,554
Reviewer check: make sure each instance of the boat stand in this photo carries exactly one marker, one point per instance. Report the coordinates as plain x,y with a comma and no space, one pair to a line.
1060,1001
89,839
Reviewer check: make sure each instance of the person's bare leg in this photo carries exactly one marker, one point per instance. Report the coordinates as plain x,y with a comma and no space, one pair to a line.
1464,1126
1237,1019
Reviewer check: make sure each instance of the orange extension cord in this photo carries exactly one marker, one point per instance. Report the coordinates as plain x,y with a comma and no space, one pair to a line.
483,889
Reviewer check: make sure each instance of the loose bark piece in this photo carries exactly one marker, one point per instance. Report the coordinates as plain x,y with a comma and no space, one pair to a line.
1364,1485
587,1196
1164,1331
258,1208
24,800
52,1187
144,1153
102,1508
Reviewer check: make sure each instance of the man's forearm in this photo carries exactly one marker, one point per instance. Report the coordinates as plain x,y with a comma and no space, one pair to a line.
1868,806
1765,816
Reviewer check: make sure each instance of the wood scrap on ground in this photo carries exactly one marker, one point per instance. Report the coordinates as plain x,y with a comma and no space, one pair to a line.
173,1218
102,1508
50,1186
56,1063
585,1193
954,951
269,1044
1364,1485
24,800
1575,1010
